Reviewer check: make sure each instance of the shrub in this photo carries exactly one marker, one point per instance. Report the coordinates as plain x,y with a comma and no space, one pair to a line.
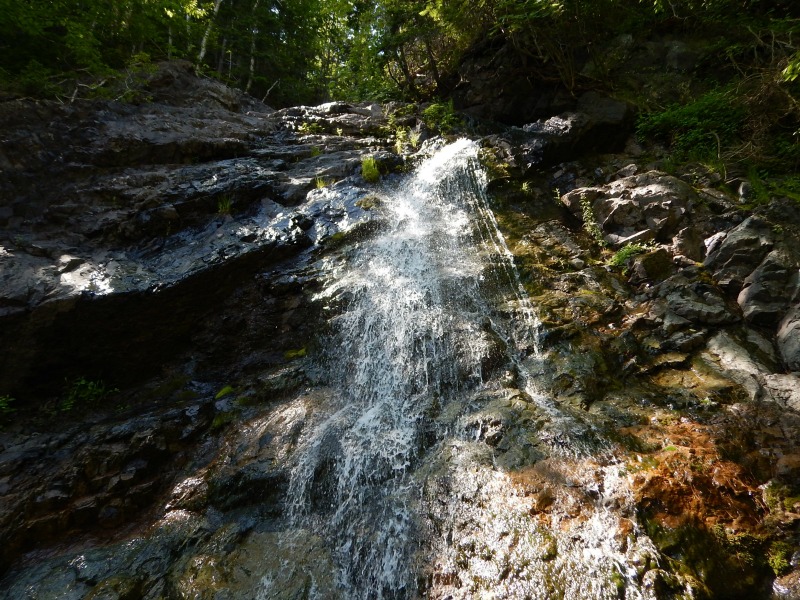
590,222
698,129
441,117
369,169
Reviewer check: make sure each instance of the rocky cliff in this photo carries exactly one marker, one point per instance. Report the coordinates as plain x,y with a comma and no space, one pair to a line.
159,320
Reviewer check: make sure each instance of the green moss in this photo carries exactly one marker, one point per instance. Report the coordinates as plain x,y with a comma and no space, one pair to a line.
227,390
221,420
293,354
367,203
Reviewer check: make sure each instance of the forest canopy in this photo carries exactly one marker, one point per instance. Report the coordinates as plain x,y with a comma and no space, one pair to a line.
306,51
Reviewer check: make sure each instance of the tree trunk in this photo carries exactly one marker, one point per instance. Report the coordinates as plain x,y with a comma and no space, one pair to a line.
401,59
252,70
204,42
432,62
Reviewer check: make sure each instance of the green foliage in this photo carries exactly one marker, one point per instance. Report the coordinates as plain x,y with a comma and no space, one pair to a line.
310,128
780,556
36,79
792,70
442,117
319,183
621,256
698,129
221,420
369,169
84,393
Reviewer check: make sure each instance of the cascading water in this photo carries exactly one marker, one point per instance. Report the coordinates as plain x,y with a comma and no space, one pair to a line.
398,476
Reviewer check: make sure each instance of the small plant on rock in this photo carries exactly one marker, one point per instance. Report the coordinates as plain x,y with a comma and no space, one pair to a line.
82,393
369,169
621,256
310,128
224,205
6,408
590,222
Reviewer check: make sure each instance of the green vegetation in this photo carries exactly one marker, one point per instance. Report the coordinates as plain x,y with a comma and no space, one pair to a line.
590,222
441,117
221,420
700,129
225,391
779,557
369,169
224,205
621,256
310,128
84,393
293,354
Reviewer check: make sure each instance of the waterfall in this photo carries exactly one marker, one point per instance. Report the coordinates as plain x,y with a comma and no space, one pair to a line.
430,319
412,333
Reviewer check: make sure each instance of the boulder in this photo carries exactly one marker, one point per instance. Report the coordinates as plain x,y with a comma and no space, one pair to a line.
697,302
654,266
767,291
739,253
689,243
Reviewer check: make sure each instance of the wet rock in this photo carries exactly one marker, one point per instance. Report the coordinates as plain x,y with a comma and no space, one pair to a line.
106,476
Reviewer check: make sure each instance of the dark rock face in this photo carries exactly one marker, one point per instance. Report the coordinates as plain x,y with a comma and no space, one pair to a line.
105,217
494,84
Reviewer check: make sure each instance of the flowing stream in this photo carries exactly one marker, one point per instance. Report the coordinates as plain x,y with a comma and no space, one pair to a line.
429,354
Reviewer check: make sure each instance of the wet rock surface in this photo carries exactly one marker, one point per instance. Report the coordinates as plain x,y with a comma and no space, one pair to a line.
178,249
